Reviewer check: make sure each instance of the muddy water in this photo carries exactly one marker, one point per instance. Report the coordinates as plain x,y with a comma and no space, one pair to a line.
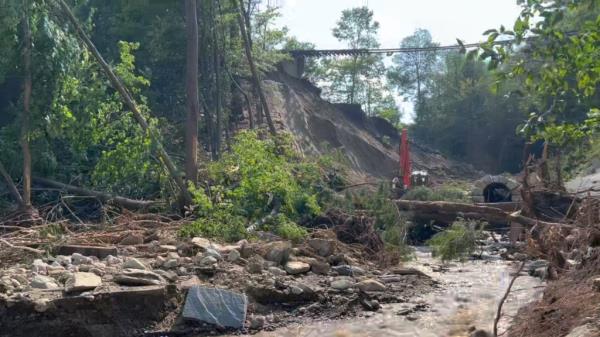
468,296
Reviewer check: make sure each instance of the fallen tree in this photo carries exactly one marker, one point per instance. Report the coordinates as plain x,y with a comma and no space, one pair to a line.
447,212
103,197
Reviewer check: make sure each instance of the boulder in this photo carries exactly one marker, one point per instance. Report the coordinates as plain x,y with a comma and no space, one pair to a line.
208,261
213,252
370,285
136,277
255,265
278,252
277,271
78,259
201,243
319,267
170,264
216,306
342,283
82,281
134,263
296,267
233,255
323,247
43,282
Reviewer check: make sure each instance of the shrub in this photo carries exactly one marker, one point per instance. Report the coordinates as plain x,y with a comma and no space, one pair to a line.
442,193
457,241
257,177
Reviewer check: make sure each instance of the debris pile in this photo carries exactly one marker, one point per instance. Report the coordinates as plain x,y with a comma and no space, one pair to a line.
160,281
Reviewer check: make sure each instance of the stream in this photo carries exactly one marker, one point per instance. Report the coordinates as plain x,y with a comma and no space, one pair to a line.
468,296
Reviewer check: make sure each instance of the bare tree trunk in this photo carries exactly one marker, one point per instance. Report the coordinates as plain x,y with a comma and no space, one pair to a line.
191,87
26,114
217,70
11,186
247,47
116,82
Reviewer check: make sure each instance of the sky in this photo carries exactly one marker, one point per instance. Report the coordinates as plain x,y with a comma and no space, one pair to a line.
447,20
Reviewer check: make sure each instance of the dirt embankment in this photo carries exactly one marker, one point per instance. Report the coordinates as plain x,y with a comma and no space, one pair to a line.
370,144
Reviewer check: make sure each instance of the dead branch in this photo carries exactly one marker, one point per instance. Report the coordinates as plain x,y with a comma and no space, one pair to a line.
103,197
11,185
29,249
499,311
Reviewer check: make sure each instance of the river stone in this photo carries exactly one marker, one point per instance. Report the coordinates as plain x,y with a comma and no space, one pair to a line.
40,267
82,281
255,265
170,264
319,267
277,271
78,259
370,285
43,282
297,267
201,243
216,306
212,252
136,277
342,283
134,263
233,255
322,247
208,261
278,252
596,284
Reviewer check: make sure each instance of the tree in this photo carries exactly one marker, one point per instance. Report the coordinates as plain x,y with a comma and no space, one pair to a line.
412,72
26,113
359,79
193,105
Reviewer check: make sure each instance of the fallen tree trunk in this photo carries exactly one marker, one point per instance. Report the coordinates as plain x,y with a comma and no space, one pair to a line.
103,197
447,212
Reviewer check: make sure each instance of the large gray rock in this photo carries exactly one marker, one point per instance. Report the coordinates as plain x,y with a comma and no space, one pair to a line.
43,282
278,252
342,283
370,285
136,277
82,282
216,306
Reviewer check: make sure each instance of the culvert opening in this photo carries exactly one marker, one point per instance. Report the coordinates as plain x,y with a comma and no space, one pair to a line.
497,192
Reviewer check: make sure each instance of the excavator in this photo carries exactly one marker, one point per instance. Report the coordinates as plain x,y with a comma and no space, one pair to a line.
406,178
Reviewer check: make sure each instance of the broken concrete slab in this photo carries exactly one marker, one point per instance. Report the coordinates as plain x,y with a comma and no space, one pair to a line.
216,306
100,252
82,281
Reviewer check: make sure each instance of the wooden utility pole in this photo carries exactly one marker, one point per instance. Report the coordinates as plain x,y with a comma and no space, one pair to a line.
26,113
131,104
191,87
255,78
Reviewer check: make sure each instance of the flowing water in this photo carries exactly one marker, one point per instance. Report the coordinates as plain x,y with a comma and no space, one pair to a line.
468,296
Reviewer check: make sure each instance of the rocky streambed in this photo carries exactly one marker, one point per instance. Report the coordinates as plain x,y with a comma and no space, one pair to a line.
320,287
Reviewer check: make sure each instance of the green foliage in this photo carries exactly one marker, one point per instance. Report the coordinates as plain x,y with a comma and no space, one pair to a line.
442,193
262,182
560,69
457,241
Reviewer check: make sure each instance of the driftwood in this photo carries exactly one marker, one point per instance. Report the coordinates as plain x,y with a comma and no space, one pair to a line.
447,212
101,196
501,304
